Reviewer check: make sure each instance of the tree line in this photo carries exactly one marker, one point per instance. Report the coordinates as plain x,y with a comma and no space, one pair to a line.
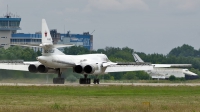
184,54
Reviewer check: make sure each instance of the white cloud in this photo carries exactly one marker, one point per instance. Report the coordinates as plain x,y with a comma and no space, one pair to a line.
180,5
188,5
116,5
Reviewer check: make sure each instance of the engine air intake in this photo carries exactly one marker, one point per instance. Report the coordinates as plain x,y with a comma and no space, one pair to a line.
88,69
78,69
42,69
32,68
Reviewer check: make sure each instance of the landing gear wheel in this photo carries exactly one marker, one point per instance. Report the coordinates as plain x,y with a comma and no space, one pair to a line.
96,81
58,80
85,80
88,80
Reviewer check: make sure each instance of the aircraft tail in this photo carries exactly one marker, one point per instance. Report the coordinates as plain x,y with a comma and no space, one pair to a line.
137,58
46,36
47,42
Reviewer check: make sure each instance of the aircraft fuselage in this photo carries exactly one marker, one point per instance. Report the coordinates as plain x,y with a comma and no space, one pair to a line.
66,61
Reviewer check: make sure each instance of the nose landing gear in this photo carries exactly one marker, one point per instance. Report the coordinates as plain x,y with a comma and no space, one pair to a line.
96,80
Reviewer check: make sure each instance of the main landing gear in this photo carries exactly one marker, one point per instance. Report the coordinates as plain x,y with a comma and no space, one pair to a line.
59,79
86,80
96,80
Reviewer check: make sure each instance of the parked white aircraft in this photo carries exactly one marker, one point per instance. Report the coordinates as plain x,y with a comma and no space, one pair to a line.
163,71
139,60
54,61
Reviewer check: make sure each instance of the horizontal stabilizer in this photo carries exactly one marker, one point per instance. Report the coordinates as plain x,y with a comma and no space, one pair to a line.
37,45
26,45
62,45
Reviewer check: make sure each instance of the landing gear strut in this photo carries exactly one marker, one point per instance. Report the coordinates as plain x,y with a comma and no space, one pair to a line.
96,80
85,80
59,80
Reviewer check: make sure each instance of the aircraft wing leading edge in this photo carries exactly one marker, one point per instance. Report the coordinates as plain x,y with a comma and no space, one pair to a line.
113,68
20,67
17,66
126,68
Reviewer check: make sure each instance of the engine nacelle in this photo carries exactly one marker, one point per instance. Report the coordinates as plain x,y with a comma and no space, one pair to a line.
78,69
89,69
44,69
33,68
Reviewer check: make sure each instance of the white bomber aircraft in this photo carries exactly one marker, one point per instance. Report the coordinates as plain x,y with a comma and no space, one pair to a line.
139,60
164,70
54,61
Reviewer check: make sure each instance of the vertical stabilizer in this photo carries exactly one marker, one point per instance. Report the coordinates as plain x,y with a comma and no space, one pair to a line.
137,58
47,42
46,36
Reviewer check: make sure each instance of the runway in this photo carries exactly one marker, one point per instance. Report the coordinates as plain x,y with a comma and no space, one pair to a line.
103,84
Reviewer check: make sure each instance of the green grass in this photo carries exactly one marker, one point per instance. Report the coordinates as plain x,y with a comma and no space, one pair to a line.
50,81
99,98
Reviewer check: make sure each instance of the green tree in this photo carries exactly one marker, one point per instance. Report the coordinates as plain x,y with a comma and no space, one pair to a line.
130,76
76,50
172,78
184,50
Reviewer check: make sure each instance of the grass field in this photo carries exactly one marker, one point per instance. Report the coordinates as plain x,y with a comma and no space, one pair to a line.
99,98
50,81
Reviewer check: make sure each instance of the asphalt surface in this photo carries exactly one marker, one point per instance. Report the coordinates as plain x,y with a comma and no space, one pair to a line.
103,84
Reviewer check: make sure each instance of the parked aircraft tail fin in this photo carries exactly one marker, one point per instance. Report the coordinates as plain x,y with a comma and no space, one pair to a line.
137,58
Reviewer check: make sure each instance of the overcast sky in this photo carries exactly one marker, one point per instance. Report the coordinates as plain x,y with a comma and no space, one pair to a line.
150,26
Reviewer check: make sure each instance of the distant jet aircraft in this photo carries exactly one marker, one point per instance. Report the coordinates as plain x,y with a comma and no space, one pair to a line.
166,70
54,61
139,60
